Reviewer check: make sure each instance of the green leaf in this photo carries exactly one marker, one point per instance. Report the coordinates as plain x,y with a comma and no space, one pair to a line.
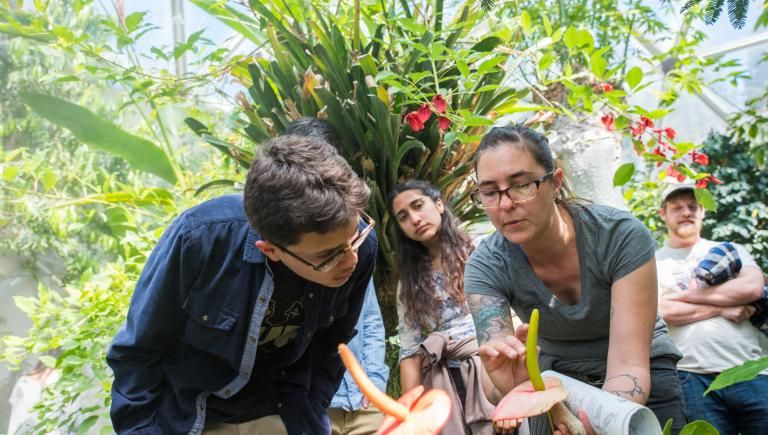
598,64
667,428
547,25
745,372
623,174
571,38
622,122
584,38
12,154
634,77
705,198
214,183
87,424
93,130
244,24
133,20
487,44
48,360
10,172
699,427
546,61
48,178
526,22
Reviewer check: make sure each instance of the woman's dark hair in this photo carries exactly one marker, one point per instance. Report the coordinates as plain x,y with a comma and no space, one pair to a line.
529,140
417,289
315,127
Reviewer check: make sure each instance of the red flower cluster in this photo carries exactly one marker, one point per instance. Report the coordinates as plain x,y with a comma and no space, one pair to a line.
700,158
603,87
702,184
673,172
639,128
666,151
417,118
608,121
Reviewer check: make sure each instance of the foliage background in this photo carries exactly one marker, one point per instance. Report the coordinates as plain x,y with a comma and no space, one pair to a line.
101,215
742,209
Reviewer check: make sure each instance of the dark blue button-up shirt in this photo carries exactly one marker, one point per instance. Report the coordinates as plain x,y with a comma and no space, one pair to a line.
192,329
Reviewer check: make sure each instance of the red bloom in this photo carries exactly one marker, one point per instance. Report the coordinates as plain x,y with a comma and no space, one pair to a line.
639,128
646,122
414,121
439,102
670,132
659,152
424,113
705,181
700,158
444,123
673,172
608,121
604,87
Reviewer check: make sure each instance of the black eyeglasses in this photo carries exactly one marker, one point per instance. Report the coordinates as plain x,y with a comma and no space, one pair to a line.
518,193
335,257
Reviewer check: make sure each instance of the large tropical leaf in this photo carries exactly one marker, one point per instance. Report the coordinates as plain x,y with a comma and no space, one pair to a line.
93,130
17,22
745,372
240,22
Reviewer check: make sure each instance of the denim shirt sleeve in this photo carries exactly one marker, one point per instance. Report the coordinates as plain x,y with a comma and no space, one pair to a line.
373,340
155,318
369,347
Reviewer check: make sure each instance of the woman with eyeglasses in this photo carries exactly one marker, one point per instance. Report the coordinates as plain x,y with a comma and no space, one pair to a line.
589,269
438,347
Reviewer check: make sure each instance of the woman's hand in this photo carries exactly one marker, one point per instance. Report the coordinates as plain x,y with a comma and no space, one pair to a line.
504,360
563,429
507,427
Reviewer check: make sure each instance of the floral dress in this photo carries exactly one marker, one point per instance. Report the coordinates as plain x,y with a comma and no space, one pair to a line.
454,320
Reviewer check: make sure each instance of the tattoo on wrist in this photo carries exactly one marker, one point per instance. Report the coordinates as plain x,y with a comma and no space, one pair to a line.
635,389
492,316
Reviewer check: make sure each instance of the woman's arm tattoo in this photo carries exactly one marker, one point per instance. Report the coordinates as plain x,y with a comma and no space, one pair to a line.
633,383
492,316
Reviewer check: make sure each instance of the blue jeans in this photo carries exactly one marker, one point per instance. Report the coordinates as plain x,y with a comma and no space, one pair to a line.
740,408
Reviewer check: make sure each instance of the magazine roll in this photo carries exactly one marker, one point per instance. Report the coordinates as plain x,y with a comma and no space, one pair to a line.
608,414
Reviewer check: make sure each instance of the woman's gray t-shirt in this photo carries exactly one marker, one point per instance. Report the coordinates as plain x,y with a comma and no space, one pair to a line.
611,243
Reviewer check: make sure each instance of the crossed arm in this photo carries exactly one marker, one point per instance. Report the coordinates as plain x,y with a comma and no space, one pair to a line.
730,300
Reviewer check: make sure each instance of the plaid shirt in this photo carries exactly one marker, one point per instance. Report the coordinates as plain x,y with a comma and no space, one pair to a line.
722,263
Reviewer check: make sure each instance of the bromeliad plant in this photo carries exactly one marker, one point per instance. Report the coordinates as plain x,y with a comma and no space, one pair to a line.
409,91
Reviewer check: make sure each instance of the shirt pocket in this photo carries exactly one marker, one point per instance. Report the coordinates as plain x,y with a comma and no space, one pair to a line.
210,328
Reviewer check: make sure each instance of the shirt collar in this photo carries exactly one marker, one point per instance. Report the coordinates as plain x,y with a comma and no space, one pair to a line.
252,254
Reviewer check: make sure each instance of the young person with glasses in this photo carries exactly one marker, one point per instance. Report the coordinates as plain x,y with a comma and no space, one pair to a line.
589,269
235,320
438,347
350,411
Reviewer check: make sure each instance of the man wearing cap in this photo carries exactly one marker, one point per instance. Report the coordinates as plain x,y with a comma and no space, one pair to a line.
709,323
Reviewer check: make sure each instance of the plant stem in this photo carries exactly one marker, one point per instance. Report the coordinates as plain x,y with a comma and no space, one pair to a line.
438,16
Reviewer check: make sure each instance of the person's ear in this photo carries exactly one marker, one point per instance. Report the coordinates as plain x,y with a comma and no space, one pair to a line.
663,213
270,250
557,179
440,206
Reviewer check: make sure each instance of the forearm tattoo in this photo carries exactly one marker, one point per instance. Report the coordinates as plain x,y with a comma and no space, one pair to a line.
634,390
492,316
